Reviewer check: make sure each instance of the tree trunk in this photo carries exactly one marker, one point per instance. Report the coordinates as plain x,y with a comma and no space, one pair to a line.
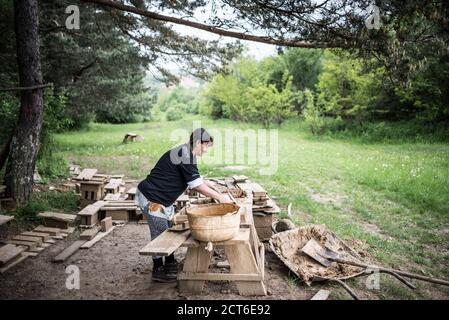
25,141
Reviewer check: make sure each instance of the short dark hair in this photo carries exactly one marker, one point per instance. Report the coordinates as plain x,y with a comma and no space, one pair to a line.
200,135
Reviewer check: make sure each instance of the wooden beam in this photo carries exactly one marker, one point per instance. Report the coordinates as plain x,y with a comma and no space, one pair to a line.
38,240
89,233
165,244
4,219
209,276
321,295
9,252
58,216
27,244
97,238
70,250
43,236
86,174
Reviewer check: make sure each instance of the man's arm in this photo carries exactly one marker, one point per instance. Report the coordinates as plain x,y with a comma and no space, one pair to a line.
204,189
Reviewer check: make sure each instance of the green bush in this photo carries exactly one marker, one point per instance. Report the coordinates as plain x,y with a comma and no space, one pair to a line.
312,114
173,114
44,201
246,94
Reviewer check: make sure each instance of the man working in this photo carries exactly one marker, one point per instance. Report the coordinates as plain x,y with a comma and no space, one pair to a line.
173,173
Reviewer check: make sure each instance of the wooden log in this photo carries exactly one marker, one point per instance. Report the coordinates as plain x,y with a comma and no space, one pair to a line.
70,250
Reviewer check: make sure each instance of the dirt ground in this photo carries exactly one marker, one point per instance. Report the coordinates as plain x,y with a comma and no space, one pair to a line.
113,269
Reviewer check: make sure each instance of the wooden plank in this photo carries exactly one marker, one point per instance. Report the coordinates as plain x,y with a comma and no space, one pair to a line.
30,254
4,219
86,174
113,184
239,178
38,240
166,243
321,295
70,250
123,208
91,209
89,233
43,236
112,196
122,215
38,249
242,260
64,217
183,198
119,203
51,223
197,261
132,191
258,189
245,186
106,224
17,261
264,233
9,252
69,230
26,244
209,276
97,238
51,231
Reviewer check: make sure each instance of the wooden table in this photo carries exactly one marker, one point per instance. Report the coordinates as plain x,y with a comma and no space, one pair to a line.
245,271
244,252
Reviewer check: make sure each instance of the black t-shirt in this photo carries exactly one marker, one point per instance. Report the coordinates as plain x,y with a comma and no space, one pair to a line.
169,177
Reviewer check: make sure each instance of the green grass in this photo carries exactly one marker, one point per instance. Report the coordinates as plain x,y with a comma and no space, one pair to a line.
45,201
390,199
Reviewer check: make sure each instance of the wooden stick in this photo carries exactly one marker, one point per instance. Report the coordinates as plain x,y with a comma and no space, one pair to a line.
392,271
347,288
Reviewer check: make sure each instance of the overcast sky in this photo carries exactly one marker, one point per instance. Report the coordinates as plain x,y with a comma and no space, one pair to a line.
256,49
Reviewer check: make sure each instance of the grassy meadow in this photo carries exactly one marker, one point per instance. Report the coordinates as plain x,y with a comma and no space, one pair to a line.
389,200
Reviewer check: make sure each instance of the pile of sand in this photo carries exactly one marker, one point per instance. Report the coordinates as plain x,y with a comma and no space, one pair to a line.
287,246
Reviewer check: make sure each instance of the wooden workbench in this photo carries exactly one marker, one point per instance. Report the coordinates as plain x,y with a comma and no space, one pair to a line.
244,252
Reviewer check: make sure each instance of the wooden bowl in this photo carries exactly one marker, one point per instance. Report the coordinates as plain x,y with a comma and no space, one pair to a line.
214,222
